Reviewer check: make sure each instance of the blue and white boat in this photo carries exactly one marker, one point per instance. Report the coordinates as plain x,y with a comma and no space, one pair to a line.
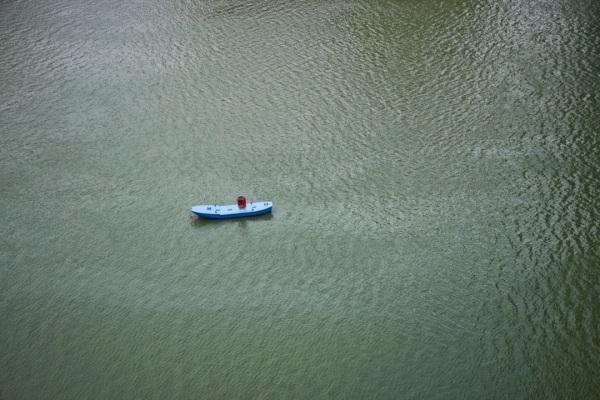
241,209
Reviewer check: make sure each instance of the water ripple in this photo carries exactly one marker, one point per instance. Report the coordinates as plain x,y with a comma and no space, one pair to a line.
434,172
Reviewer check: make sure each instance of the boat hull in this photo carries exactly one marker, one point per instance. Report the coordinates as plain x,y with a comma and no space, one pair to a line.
239,215
253,209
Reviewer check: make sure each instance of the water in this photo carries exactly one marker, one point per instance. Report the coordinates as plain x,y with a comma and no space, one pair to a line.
434,168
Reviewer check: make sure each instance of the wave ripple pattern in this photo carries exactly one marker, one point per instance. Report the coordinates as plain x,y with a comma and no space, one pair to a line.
435,174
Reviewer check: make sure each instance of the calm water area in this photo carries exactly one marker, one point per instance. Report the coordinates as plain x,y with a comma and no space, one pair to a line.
435,173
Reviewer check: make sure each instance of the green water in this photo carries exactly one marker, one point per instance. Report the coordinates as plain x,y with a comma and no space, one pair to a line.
435,173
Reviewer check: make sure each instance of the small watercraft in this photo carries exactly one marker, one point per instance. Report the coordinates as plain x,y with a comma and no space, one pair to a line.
241,209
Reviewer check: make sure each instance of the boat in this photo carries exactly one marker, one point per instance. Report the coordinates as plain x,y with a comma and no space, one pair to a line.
241,209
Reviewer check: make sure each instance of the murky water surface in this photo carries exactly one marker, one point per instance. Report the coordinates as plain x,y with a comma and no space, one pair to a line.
435,173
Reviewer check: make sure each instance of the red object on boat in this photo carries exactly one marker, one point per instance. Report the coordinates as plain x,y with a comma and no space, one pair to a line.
241,202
